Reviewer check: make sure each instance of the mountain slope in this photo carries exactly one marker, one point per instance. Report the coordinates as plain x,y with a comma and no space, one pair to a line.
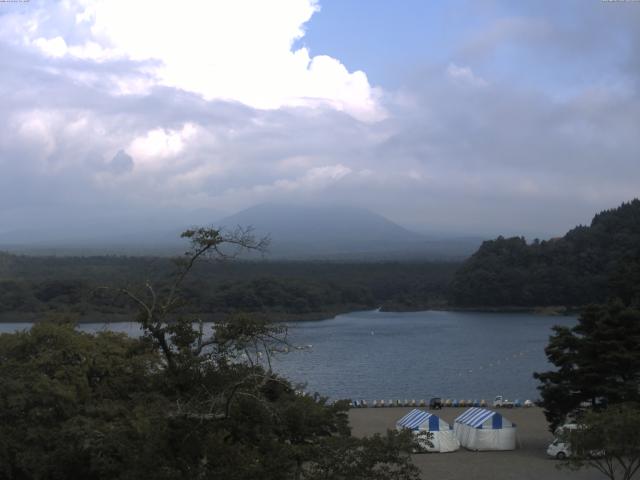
588,264
338,233
323,230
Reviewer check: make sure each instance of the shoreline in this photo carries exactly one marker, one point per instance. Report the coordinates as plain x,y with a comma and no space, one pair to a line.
551,310
101,317
282,317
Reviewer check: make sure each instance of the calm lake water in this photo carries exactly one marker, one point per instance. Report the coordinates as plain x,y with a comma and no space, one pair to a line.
381,355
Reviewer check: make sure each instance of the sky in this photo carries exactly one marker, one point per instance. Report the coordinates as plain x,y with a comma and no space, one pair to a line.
479,117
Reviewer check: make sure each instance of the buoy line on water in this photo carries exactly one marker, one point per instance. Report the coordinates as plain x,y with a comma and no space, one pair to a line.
448,403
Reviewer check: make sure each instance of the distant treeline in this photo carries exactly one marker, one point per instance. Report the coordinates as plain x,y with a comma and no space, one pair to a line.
72,284
588,265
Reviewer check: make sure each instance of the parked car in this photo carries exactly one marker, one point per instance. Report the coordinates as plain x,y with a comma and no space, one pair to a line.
435,403
559,449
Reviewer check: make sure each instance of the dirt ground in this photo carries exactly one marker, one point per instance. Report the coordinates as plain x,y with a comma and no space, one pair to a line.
528,461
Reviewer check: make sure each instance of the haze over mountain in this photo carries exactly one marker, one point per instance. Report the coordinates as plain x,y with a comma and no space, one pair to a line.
335,231
124,233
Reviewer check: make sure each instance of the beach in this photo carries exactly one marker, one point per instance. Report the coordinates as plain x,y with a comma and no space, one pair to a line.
528,461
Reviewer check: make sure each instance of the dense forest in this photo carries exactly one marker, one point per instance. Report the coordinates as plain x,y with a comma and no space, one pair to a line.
589,264
175,403
31,286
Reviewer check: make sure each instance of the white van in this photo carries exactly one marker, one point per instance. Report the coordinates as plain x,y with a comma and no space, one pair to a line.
559,448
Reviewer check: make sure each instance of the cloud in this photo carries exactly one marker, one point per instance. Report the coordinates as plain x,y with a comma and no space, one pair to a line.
160,144
465,75
237,51
99,123
556,47
54,47
317,178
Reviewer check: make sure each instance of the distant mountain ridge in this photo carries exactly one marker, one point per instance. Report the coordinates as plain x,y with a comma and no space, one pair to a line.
589,264
322,228
330,231
297,231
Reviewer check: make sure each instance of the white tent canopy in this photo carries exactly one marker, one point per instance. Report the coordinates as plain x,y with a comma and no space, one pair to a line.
443,439
482,429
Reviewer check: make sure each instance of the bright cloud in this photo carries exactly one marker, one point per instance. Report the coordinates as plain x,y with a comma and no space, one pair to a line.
465,75
239,50
114,108
159,144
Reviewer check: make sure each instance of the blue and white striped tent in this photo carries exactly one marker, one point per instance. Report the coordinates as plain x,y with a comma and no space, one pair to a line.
476,417
419,419
482,429
442,437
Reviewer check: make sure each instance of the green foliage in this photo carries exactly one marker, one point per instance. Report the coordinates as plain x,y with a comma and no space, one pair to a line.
598,361
607,440
176,403
588,264
16,296
375,458
80,406
293,289
70,402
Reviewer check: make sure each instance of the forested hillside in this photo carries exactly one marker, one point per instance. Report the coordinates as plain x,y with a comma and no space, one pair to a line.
589,264
36,285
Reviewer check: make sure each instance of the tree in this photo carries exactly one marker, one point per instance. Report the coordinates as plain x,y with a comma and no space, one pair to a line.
69,402
607,440
177,403
376,457
159,311
589,264
598,362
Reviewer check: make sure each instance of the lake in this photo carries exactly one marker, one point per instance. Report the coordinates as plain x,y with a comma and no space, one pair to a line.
418,355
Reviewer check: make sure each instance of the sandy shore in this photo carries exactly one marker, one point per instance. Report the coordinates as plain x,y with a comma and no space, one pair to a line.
529,461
